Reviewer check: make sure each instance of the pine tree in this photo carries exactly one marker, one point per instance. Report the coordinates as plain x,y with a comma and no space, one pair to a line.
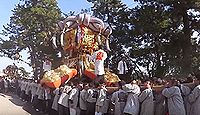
31,25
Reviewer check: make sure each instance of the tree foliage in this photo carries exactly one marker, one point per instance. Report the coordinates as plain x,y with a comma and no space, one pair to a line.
156,35
33,22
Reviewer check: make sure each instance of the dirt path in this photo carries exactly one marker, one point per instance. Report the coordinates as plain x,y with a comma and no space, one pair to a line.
11,105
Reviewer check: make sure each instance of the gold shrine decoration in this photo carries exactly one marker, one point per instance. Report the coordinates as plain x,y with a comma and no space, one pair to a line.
111,77
89,39
54,78
69,39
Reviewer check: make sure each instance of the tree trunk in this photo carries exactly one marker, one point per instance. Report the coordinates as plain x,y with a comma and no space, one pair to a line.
186,45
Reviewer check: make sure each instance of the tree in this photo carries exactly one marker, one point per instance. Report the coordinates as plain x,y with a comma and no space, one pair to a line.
150,27
173,44
23,73
163,30
155,35
186,22
32,24
116,14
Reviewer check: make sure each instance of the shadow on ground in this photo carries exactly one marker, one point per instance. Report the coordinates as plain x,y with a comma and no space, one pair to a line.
26,106
2,95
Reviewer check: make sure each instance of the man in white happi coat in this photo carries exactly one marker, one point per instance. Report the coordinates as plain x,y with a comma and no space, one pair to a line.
82,98
41,97
47,97
91,98
55,99
122,69
174,98
102,102
146,99
119,99
47,65
132,103
74,100
194,99
185,91
23,88
160,106
19,87
63,102
33,88
99,57
34,96
28,90
6,85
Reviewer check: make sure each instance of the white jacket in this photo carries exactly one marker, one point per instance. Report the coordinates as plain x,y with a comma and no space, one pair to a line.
175,100
122,67
194,98
132,103
146,99
98,57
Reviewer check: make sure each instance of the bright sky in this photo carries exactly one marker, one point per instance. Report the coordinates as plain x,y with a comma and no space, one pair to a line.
65,5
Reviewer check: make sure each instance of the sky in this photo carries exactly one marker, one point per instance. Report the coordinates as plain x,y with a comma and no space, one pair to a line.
65,5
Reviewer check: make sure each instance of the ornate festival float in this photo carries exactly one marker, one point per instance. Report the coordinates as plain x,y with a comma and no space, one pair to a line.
79,37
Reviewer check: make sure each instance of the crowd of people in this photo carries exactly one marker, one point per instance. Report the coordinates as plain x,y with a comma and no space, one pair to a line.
146,97
7,84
